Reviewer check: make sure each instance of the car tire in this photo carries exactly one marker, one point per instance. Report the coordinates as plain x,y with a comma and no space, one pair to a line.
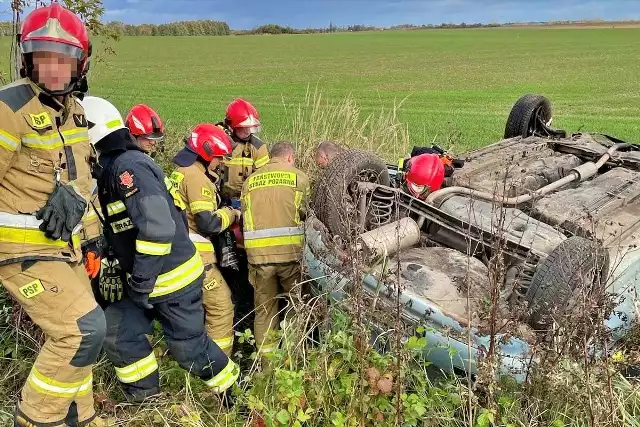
575,265
333,195
523,118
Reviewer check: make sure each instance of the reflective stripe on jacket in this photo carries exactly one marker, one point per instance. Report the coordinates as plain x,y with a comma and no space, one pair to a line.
273,206
38,138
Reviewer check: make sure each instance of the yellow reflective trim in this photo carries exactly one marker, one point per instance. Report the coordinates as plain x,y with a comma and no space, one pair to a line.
224,343
225,378
181,276
51,387
261,161
153,248
224,217
239,161
172,188
43,142
272,241
272,179
138,370
400,164
204,246
29,237
116,208
247,216
200,206
297,201
201,243
74,136
176,178
114,123
8,141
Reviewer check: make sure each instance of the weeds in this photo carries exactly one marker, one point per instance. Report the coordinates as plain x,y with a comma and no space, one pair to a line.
350,357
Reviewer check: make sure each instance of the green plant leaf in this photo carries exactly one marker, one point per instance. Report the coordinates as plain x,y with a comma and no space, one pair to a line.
283,417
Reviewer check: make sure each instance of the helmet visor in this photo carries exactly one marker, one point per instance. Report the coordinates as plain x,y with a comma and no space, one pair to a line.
154,136
251,129
32,46
419,191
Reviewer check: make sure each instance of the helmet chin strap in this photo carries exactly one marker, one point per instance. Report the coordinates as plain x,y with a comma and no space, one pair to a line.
66,91
27,71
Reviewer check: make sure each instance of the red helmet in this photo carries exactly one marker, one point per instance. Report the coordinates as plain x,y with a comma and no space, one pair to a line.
241,114
54,29
424,174
209,141
143,121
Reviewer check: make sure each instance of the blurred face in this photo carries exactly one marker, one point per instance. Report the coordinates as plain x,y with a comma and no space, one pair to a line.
146,144
54,70
242,133
291,159
215,165
322,161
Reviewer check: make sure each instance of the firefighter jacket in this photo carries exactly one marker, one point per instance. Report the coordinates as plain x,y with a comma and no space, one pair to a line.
246,158
273,208
91,225
144,223
39,138
201,199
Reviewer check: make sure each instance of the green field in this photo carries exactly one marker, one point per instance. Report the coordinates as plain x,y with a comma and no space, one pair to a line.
457,84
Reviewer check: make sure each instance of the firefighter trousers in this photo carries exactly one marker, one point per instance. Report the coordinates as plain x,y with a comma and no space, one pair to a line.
57,296
182,319
218,308
269,281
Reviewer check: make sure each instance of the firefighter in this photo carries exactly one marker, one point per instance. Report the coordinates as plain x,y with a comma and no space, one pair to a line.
273,210
147,230
147,127
195,179
326,151
45,182
422,175
249,154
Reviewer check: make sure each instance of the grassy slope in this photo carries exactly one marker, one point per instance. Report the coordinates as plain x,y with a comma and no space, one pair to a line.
458,83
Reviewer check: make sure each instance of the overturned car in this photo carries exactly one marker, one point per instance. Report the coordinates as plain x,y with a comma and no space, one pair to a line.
532,225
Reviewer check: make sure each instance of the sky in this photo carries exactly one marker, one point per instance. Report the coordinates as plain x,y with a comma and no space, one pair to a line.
248,14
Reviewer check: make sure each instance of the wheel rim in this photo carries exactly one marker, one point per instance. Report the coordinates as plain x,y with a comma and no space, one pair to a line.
538,123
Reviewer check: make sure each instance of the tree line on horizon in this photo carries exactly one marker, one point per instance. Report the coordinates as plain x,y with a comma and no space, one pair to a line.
221,28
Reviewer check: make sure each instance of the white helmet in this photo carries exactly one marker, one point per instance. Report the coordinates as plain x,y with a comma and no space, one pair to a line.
102,116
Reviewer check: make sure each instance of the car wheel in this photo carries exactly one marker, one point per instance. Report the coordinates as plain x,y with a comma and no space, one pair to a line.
529,115
575,265
335,194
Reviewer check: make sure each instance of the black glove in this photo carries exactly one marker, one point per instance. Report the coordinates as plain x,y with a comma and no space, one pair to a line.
110,283
225,248
141,299
62,213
